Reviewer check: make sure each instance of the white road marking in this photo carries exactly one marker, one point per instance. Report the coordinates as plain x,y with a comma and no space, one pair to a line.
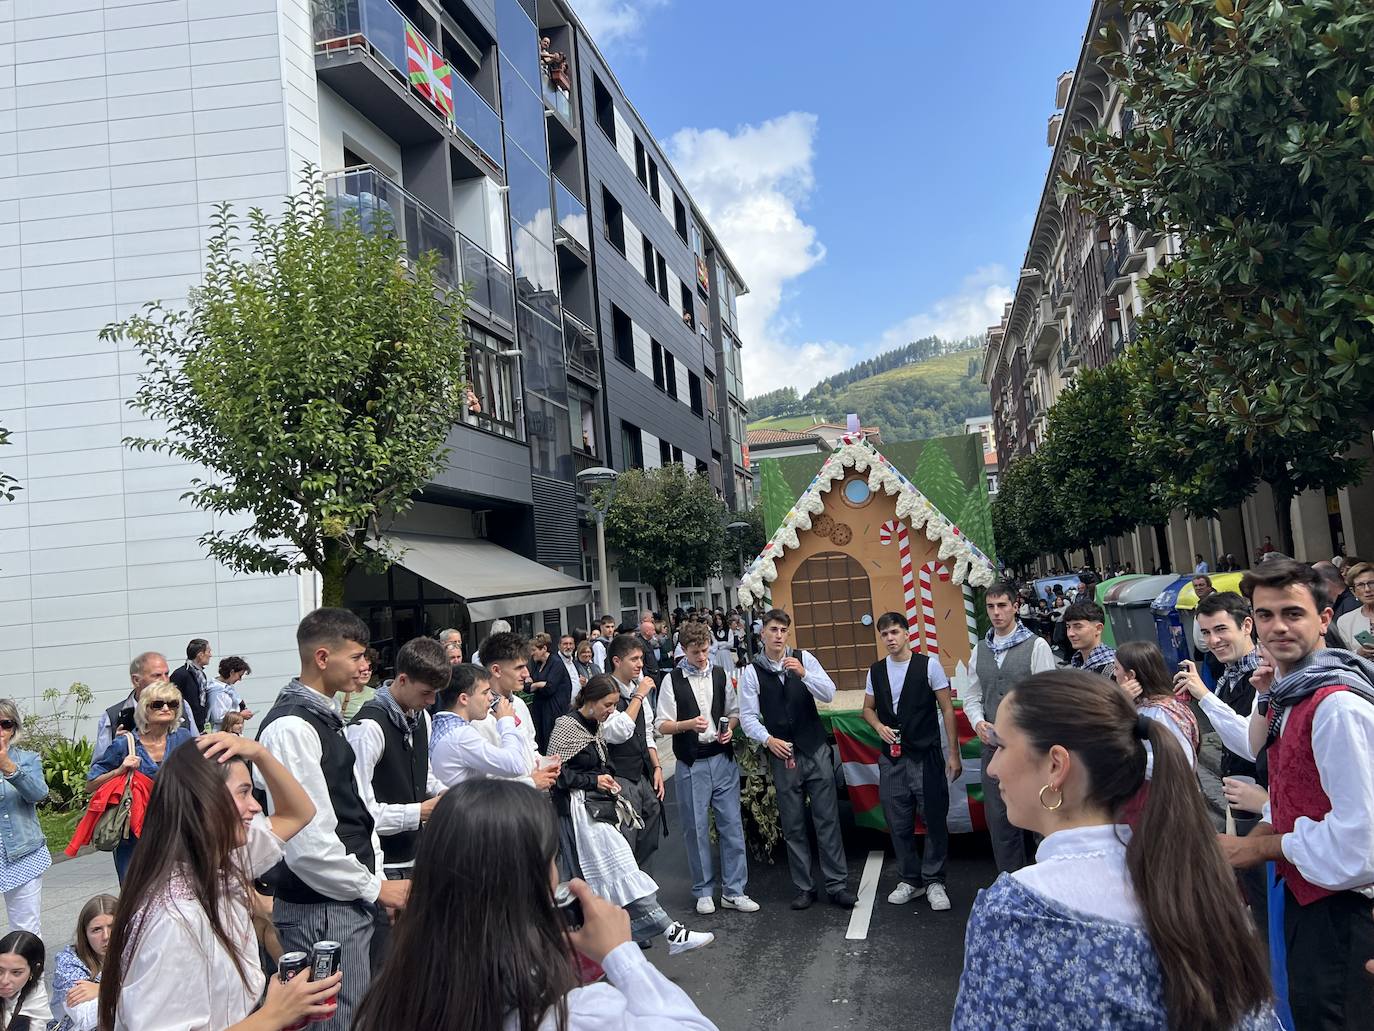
868,891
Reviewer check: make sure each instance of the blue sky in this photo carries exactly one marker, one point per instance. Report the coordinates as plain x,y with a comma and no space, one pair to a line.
874,175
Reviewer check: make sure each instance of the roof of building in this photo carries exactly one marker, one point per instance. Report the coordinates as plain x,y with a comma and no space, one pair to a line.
969,564
763,438
990,458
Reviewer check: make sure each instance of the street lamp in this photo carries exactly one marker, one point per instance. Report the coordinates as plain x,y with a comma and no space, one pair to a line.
600,476
738,524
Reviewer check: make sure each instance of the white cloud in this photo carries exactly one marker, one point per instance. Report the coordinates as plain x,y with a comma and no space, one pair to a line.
975,306
614,21
751,185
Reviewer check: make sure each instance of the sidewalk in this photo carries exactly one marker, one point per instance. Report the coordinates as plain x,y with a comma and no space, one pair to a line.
66,887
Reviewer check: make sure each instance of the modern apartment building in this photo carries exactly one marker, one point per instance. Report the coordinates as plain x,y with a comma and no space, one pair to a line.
1075,305
602,310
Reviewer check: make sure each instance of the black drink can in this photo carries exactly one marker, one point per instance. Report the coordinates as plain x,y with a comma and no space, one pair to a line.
291,964
324,963
569,907
724,726
895,749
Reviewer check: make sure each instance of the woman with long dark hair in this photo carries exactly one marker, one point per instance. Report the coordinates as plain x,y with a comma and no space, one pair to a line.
1142,674
481,945
182,951
23,998
1111,928
76,970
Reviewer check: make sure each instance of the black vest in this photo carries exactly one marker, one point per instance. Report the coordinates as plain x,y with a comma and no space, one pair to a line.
685,745
788,708
630,759
917,716
401,776
354,822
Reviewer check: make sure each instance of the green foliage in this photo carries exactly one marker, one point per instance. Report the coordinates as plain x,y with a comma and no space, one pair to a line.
745,542
758,800
1255,145
315,375
935,477
783,401
974,519
52,734
1025,519
669,524
8,484
778,498
65,766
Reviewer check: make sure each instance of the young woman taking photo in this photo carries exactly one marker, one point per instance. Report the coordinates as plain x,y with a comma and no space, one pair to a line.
1110,928
481,945
182,951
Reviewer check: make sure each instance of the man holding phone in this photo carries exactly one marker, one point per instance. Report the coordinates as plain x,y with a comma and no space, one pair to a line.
506,657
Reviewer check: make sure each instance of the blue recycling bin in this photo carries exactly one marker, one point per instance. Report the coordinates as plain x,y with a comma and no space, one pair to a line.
1169,630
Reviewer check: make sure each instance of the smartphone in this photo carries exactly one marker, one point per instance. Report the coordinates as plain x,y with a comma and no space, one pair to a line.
1365,638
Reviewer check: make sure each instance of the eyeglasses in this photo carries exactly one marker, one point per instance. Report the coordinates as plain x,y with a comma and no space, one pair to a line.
162,705
1364,585
8,724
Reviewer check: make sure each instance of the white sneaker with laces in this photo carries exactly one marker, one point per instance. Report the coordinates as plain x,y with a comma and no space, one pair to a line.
706,906
939,898
682,940
743,903
904,893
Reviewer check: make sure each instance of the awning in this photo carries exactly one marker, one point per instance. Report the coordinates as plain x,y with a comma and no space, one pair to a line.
491,580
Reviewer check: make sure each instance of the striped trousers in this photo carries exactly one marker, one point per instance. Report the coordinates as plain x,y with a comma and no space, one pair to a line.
300,926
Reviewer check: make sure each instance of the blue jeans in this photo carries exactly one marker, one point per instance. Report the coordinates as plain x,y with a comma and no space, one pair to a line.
706,785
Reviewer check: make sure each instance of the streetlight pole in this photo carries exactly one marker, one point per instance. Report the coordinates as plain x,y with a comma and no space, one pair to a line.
598,476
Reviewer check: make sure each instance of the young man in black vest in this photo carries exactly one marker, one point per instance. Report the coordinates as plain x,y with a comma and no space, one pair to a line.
694,703
390,737
777,708
1009,654
629,733
329,885
906,698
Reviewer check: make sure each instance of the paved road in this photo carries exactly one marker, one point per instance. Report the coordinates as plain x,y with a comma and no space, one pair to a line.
797,971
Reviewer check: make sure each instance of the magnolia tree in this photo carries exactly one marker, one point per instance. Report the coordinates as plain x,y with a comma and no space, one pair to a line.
314,378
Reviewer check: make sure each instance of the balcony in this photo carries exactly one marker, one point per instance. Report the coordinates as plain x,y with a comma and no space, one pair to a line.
580,350
1135,253
571,226
1046,331
1114,275
1061,297
1070,354
557,101
350,34
382,206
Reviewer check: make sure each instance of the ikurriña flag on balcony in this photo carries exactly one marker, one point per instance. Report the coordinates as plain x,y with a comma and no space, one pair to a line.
429,73
858,743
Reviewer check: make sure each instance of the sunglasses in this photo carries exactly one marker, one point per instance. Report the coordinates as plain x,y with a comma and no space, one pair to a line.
162,705
8,724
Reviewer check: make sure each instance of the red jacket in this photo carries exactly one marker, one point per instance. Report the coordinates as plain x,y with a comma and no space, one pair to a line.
108,795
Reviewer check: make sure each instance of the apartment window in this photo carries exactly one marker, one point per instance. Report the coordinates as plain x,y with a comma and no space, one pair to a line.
653,182
702,469
584,428
623,332
694,392
614,216
710,390
670,374
689,307
494,382
605,108
641,164
663,280
658,365
680,217
631,445
649,265
665,453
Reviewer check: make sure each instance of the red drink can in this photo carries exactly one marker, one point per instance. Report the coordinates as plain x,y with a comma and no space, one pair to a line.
291,964
895,749
324,963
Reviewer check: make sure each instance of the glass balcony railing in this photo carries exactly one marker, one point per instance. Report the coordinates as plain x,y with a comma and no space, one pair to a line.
571,214
579,348
382,206
556,98
379,27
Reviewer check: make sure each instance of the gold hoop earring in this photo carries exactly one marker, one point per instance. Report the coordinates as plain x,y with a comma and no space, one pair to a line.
1051,808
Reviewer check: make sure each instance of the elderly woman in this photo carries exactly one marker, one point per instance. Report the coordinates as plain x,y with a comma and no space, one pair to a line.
156,717
24,853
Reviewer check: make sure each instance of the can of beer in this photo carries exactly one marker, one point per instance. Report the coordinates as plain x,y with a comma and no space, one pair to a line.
569,907
895,749
724,726
790,762
324,963
291,964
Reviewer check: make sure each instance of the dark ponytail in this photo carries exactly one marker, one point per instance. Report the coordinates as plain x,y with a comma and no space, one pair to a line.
1215,970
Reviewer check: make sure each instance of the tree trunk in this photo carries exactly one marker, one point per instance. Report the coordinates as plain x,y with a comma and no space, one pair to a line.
333,573
1283,513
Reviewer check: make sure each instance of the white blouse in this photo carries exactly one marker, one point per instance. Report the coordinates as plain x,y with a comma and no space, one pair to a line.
1084,868
36,1006
638,998
181,978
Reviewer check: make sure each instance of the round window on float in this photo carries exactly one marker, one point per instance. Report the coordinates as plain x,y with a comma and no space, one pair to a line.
856,493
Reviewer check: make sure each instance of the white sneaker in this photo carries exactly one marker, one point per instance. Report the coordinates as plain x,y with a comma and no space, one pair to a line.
682,940
939,899
706,906
904,893
741,902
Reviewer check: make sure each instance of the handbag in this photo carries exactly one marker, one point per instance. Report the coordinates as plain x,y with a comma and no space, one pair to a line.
112,827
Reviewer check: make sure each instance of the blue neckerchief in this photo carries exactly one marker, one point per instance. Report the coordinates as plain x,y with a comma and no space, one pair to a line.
998,645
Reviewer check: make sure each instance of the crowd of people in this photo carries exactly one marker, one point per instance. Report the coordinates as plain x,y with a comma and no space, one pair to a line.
449,833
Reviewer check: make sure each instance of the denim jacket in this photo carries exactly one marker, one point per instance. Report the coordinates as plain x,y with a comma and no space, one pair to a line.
19,793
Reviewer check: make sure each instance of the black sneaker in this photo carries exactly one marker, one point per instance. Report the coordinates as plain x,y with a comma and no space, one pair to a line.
804,900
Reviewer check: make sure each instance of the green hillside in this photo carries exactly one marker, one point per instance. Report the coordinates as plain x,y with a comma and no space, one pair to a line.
914,401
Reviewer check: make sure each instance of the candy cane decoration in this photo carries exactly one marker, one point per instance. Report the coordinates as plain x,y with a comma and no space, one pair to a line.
928,604
885,534
972,621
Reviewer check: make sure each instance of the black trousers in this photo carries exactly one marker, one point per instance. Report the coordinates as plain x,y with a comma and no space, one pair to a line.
1328,944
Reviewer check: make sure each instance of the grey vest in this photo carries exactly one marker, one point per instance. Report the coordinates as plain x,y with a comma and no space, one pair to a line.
996,680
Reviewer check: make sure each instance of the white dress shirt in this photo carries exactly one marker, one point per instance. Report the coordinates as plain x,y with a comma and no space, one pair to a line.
1231,726
619,728
816,679
896,678
369,743
1084,868
571,667
464,752
1041,661
490,729
703,690
599,652
634,997
181,978
315,854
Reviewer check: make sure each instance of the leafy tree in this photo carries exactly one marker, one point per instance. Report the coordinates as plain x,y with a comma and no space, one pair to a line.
314,376
1254,146
669,523
747,541
8,484
1025,513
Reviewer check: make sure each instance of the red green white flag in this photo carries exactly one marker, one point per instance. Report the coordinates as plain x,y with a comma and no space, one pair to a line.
858,744
429,73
